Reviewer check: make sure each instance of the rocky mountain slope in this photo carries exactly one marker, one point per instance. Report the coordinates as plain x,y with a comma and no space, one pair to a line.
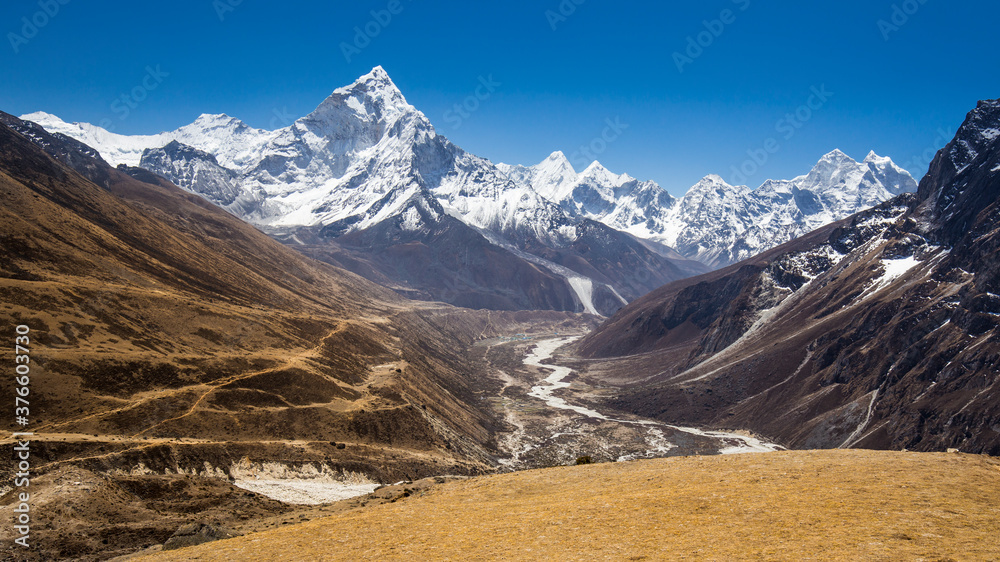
878,331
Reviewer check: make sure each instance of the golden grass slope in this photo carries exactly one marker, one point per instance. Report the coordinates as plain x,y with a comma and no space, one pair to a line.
804,505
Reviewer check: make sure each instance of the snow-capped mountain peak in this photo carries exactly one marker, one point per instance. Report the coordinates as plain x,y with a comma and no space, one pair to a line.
40,117
873,180
831,169
873,158
712,181
206,120
596,171
360,114
551,178
229,139
712,187
377,79
372,97
556,167
214,125
836,155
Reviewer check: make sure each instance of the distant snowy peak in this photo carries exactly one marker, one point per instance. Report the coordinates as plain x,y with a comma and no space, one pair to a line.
834,171
555,167
52,124
873,158
552,178
597,172
837,158
216,125
712,188
230,140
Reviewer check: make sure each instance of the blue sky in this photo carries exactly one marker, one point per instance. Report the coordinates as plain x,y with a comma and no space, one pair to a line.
897,76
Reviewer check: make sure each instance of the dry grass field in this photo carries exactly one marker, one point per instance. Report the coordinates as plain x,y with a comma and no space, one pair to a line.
804,505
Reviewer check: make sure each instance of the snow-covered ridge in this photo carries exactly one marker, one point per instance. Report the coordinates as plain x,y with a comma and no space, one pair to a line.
715,222
228,139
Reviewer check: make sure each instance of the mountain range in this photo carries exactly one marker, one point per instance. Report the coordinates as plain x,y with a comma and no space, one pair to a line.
717,223
364,182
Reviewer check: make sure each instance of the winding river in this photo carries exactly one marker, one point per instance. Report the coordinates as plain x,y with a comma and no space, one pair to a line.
729,443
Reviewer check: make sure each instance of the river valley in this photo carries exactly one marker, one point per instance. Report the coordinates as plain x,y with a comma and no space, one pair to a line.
555,417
